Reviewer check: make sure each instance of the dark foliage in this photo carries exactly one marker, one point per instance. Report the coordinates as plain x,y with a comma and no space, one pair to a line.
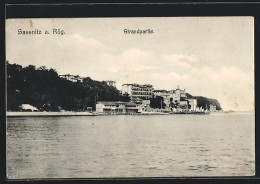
205,102
157,102
125,98
44,89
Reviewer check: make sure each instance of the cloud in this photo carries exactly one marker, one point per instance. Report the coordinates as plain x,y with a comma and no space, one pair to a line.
129,60
178,62
87,41
175,61
181,57
233,87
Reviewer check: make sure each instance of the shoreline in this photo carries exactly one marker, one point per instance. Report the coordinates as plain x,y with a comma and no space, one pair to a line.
70,113
39,114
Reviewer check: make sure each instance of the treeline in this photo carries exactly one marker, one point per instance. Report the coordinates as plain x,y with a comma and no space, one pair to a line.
205,102
157,102
44,89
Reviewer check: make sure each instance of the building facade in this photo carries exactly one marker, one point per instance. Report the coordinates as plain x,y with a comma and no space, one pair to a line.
170,97
27,107
173,99
72,78
212,108
176,99
138,92
193,104
111,83
117,107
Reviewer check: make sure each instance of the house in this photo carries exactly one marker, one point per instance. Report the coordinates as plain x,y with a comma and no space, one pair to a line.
145,106
72,78
111,83
117,107
27,107
161,92
212,108
170,97
193,104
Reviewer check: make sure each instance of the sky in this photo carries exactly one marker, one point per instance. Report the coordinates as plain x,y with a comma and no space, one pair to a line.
206,56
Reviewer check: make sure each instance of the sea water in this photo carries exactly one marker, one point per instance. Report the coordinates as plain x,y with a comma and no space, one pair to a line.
131,146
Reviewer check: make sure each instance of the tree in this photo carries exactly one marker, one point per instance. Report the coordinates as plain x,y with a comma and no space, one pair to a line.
125,98
205,102
176,104
157,102
45,90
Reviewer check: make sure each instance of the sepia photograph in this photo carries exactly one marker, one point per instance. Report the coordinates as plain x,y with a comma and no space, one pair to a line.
130,97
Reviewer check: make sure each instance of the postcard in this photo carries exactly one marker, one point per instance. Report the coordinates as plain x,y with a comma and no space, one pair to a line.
130,97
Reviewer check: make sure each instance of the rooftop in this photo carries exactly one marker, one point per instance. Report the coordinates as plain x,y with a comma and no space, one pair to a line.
117,102
160,90
138,85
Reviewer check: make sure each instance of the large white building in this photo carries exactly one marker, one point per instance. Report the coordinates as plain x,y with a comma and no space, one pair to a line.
138,92
178,97
117,107
172,96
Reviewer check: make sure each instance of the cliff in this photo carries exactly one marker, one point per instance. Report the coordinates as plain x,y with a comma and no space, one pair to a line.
205,102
